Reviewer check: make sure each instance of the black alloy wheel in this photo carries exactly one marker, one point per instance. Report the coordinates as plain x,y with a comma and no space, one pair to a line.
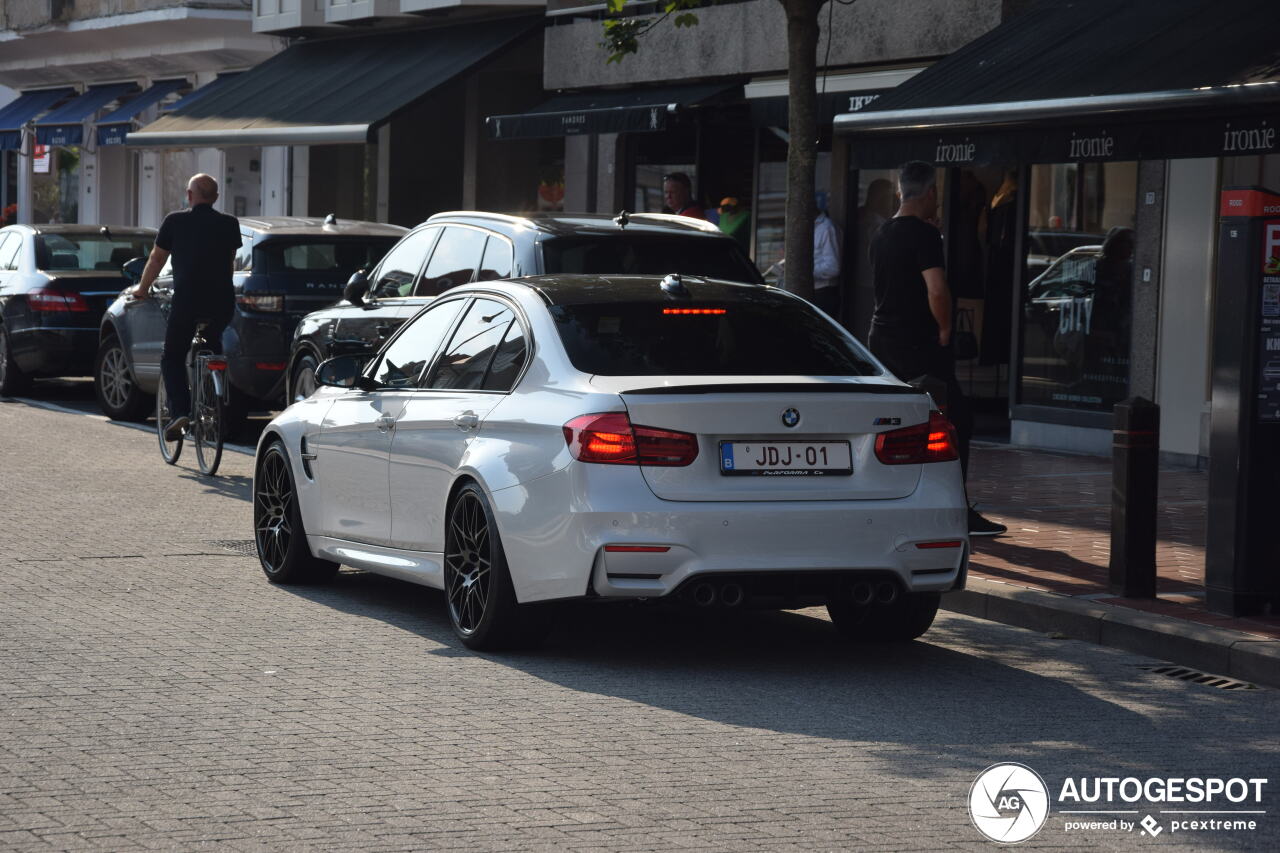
477,582
119,396
279,535
12,379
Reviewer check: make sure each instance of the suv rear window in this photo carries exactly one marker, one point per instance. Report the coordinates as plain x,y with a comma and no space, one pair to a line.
772,336
335,256
616,254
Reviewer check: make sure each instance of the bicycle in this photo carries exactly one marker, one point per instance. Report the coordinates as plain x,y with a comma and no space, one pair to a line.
206,376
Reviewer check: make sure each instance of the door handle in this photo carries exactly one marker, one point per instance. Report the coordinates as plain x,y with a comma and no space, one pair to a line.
386,423
466,421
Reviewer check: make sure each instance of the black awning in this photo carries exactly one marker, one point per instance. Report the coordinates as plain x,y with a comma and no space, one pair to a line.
606,111
773,112
331,89
1089,80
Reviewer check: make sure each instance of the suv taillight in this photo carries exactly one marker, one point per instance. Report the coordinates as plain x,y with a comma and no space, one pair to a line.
261,301
611,439
914,445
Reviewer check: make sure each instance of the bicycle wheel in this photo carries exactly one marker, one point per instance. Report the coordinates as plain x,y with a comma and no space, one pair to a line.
206,421
170,450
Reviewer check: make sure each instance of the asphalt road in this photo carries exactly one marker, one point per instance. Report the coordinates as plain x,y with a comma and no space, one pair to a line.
157,693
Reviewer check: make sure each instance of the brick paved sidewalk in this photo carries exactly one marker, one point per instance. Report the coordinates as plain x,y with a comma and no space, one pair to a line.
1058,509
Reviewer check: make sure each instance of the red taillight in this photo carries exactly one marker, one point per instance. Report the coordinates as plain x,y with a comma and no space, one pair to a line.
637,549
610,438
914,445
51,299
261,301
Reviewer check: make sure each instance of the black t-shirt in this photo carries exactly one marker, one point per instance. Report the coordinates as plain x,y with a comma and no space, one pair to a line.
901,250
203,243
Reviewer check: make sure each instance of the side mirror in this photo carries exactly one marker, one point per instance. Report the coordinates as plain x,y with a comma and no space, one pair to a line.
345,371
132,269
356,288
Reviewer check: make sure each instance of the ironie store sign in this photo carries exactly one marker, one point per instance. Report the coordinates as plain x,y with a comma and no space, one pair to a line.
1071,144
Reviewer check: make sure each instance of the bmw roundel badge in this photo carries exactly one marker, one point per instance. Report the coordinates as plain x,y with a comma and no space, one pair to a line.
790,417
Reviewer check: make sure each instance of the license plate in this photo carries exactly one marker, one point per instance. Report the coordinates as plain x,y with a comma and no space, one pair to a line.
785,458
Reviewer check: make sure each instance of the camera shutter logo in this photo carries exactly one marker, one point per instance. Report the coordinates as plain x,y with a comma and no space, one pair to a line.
1008,803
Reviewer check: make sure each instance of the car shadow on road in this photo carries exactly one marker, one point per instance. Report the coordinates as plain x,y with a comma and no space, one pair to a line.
963,685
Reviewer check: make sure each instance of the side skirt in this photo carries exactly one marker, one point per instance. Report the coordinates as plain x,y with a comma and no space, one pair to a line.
421,567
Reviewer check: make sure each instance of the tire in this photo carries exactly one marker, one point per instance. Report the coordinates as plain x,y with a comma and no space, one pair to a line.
302,381
277,524
170,450
901,622
119,396
12,379
479,594
206,423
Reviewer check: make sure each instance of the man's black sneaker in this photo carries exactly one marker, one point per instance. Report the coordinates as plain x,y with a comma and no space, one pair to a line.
173,432
979,526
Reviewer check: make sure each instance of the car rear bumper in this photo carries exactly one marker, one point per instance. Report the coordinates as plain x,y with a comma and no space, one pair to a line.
55,350
558,530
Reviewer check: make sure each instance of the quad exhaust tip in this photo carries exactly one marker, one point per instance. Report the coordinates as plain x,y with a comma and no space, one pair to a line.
886,592
863,593
731,595
704,595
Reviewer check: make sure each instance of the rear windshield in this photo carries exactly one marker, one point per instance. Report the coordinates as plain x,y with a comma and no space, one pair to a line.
759,337
340,257
91,251
617,254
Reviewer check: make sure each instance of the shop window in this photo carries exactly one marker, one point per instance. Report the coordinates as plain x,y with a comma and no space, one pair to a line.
1076,315
55,184
771,206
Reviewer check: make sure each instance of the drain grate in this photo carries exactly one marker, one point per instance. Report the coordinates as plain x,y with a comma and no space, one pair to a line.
244,547
1182,673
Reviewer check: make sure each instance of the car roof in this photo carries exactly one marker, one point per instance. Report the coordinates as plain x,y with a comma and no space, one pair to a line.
581,224
575,289
120,230
312,225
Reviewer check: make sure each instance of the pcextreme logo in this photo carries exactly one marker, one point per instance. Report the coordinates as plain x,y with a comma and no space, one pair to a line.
1009,803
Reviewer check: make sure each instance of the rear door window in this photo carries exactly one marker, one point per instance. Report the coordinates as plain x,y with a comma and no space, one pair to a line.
465,364
767,335
454,261
399,270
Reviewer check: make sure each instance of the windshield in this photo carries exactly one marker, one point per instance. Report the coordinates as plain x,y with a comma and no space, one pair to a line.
765,335
616,254
341,257
93,251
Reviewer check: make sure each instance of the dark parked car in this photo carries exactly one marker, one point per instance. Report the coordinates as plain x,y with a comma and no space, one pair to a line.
286,267
450,249
55,283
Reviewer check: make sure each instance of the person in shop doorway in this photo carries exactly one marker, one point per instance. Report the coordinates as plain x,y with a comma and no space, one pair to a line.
677,195
911,325
735,222
826,259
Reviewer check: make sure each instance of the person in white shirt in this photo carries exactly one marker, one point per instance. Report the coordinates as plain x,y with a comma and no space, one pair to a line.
826,260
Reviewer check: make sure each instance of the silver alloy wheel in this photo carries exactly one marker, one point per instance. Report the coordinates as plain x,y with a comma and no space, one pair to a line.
272,500
468,559
114,378
304,382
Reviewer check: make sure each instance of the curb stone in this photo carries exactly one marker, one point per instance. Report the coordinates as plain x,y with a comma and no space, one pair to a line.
1219,651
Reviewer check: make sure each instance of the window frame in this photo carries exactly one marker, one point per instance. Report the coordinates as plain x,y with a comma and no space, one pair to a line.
375,364
376,276
518,316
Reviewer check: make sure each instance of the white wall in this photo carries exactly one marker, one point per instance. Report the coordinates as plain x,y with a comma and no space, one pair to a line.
275,181
1186,307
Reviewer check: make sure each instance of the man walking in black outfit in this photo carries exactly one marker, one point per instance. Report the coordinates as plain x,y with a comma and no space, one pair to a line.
203,243
911,326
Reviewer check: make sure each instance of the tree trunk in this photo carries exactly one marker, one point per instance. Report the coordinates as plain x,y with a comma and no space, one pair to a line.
802,151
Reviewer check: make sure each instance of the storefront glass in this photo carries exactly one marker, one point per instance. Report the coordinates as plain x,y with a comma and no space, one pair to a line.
1079,269
55,184
771,200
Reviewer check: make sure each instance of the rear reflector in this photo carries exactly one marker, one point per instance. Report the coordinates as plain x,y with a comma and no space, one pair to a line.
915,445
950,543
610,438
270,365
52,299
637,549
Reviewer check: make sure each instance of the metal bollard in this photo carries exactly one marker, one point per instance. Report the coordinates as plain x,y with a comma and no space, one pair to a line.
1135,457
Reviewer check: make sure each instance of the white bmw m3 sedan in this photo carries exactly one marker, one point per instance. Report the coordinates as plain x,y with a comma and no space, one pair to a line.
620,438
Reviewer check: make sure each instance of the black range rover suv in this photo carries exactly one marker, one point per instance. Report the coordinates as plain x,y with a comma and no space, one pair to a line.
287,267
454,248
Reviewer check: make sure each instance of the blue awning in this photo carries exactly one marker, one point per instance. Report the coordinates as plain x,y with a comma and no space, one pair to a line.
207,89
27,106
113,126
65,125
